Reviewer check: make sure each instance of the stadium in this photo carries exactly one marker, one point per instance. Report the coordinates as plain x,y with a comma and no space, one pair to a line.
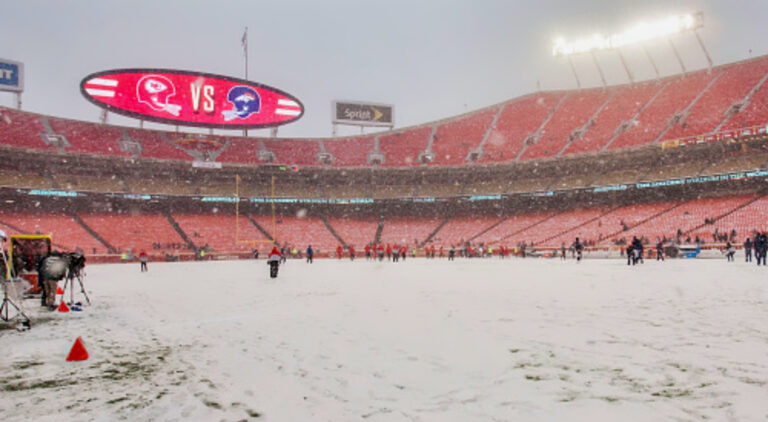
654,160
679,160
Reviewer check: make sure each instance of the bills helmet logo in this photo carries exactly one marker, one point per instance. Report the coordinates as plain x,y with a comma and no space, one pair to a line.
245,101
155,91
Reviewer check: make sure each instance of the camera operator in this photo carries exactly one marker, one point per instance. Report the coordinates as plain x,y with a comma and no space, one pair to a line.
50,270
55,267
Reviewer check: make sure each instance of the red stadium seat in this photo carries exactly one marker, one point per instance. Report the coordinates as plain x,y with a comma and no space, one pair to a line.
408,231
349,152
625,103
294,151
299,232
89,138
136,231
355,232
459,230
454,140
572,114
402,149
654,119
21,129
710,110
67,234
221,232
519,119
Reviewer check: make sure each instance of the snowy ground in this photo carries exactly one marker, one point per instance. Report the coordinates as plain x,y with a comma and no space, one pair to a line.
422,340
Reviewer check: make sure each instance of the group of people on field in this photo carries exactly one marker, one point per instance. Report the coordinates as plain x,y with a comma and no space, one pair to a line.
634,251
758,247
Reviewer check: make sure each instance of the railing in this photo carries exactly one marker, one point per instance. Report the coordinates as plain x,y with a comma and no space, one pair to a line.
725,135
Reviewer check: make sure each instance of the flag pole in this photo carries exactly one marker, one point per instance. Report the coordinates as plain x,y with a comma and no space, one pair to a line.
245,46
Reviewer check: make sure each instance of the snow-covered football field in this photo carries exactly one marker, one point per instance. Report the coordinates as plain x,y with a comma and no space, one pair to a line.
424,340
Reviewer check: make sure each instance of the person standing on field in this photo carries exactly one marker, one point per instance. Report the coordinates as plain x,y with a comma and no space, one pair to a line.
143,259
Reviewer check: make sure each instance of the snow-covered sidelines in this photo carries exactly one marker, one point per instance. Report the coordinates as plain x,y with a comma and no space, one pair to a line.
426,340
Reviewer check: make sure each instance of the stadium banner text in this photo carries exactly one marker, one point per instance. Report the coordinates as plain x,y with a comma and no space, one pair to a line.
363,113
757,174
11,75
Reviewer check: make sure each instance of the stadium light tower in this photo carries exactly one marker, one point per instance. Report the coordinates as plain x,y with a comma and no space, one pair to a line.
634,35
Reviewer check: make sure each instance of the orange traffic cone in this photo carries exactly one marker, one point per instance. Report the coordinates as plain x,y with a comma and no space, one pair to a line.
59,291
63,307
78,352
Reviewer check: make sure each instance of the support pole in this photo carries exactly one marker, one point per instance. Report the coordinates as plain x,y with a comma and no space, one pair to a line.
599,69
626,67
653,63
18,100
575,74
704,49
104,114
274,218
677,54
245,49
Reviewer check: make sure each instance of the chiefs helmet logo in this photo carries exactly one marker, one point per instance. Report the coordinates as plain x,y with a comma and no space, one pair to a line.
156,91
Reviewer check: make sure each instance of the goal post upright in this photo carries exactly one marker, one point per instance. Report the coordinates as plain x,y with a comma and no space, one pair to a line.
237,208
254,242
274,218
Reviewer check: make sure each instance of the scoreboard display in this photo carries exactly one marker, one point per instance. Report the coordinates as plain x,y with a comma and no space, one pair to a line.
188,98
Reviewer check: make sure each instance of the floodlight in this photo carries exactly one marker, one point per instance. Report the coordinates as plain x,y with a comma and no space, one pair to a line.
640,32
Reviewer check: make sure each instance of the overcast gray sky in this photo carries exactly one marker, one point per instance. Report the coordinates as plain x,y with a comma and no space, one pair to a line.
432,58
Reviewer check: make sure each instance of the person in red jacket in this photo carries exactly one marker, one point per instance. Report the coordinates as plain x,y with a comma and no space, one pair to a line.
389,251
367,252
395,253
339,251
351,253
403,251
143,258
274,262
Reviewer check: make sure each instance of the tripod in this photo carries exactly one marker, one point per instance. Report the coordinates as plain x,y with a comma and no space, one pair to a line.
8,302
70,283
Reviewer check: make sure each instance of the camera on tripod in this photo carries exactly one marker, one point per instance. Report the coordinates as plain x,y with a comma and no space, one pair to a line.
76,263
